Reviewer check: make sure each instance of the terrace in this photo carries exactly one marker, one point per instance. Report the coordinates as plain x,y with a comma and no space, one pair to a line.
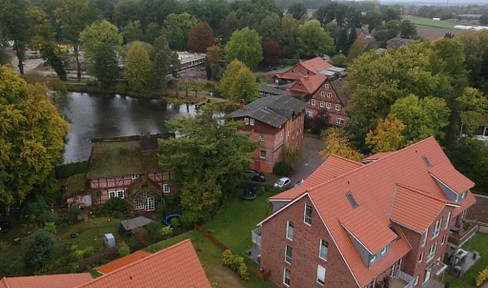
459,236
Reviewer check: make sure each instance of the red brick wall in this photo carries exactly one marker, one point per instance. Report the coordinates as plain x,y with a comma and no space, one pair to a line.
333,100
305,249
411,264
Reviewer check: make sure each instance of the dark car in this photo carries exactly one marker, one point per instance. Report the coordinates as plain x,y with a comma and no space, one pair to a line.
254,175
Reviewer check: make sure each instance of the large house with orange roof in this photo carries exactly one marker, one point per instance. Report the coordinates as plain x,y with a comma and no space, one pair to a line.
174,267
319,84
351,224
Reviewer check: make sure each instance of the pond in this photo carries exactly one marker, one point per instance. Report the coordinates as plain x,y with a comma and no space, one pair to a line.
110,116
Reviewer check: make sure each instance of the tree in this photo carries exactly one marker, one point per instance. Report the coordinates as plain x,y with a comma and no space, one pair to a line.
423,117
38,248
207,161
356,50
160,56
449,56
313,40
13,24
473,109
269,30
373,20
341,42
297,10
214,55
229,25
289,33
245,45
339,60
476,51
74,16
138,65
177,28
229,77
407,29
132,31
244,86
388,135
391,14
31,137
484,19
98,34
105,64
153,31
337,143
200,38
351,38
271,53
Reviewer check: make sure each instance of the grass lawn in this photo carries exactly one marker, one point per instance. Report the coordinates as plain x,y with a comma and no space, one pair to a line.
91,233
420,21
479,243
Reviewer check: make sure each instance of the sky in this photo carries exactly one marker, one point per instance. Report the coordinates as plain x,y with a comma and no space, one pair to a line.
437,2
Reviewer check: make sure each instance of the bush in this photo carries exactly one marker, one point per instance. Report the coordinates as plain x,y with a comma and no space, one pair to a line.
152,231
188,219
243,271
123,250
38,248
482,277
292,155
50,227
235,262
282,169
116,207
166,231
175,222
71,216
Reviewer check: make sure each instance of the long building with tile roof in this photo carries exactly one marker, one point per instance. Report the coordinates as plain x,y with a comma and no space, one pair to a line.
354,224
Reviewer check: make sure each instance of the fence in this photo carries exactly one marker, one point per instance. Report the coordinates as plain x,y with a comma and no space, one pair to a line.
261,275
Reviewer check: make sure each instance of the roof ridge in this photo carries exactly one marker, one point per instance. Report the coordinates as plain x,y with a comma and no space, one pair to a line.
136,262
5,281
423,193
348,160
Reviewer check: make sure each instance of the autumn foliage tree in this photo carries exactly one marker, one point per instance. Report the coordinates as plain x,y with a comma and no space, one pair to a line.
200,38
387,136
271,53
31,137
337,143
138,65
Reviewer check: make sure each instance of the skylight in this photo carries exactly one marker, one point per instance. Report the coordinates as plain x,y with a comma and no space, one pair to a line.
351,199
427,162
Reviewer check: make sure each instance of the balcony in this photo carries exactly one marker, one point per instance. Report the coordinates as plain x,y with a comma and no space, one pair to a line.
460,235
256,236
401,280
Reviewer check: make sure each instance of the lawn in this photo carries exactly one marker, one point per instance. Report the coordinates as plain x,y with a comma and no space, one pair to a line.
420,21
479,243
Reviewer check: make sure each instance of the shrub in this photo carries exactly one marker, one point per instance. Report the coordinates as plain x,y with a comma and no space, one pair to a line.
71,216
175,222
38,248
482,277
236,263
292,155
123,250
166,231
152,231
188,219
50,227
116,207
243,271
282,169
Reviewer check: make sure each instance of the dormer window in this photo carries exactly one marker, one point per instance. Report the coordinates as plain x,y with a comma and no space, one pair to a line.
251,122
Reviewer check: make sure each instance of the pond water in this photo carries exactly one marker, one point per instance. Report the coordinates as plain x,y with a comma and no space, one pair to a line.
109,116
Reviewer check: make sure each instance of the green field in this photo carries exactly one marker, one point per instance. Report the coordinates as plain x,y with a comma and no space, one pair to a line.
419,21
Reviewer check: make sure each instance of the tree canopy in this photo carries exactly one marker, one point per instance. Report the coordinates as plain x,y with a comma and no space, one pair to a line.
201,37
338,143
177,28
31,137
313,40
138,65
245,45
99,33
388,135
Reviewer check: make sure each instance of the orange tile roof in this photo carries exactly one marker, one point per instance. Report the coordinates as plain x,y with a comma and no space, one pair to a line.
46,281
427,208
373,186
377,156
174,267
367,229
121,262
316,64
332,167
452,178
290,76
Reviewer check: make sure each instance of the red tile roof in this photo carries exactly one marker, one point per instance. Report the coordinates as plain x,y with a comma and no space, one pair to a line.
316,64
332,167
46,281
377,156
290,76
427,208
456,181
121,262
373,187
174,267
308,84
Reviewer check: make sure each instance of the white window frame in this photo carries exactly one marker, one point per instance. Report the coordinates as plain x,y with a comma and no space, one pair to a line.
286,255
326,85
261,155
447,220
416,281
246,121
134,176
328,105
288,230
309,114
138,203
150,204
432,251
261,137
383,251
326,249
112,194
305,215
443,239
322,104
284,277
437,228
321,273
312,102
329,94
120,194
424,240
337,107
251,121
372,259
322,93
339,121
421,257
166,188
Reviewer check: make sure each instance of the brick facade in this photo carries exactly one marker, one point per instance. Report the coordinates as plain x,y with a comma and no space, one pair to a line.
326,99
305,250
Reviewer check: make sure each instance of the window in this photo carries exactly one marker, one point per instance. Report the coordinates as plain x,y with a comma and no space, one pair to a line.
262,154
329,95
166,188
138,203
246,121
392,271
437,228
465,193
326,85
320,275
289,230
338,107
150,204
323,249
447,220
307,215
322,94
351,199
328,105
416,280
432,251
424,240
134,176
286,277
339,121
312,102
251,122
383,251
116,194
261,137
427,162
112,194
322,104
443,239
372,259
421,256
288,254
120,194
309,113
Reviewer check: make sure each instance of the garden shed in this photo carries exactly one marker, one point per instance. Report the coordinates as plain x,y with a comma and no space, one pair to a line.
134,225
109,240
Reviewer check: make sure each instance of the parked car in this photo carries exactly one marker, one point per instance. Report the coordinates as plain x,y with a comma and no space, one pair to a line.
255,175
283,182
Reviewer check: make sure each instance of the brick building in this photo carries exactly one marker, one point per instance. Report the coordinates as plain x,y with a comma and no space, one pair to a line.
277,121
353,224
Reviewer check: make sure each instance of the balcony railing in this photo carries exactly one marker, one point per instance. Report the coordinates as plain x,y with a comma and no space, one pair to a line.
256,236
409,279
458,238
